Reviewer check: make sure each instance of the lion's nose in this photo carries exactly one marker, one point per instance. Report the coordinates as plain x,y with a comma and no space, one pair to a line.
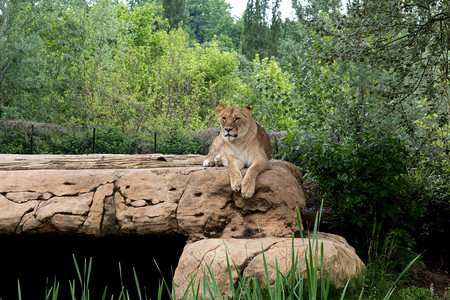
228,129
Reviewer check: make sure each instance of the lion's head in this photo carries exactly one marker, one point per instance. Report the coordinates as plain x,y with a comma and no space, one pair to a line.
234,121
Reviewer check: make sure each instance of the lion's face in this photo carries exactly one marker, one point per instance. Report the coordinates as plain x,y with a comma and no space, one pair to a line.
234,121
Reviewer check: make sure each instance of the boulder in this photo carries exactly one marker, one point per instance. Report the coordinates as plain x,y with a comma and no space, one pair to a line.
143,194
101,195
245,256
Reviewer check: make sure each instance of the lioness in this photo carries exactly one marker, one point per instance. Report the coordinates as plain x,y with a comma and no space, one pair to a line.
242,143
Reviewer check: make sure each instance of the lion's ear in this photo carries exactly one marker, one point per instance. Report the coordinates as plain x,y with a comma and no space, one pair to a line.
219,108
249,109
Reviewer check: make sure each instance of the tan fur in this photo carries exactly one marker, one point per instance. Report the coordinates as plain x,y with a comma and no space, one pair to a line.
241,143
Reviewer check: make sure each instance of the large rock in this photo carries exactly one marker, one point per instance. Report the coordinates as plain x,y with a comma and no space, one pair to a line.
143,194
245,256
161,195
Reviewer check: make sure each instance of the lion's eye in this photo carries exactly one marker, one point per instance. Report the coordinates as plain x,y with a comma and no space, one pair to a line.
236,120
223,119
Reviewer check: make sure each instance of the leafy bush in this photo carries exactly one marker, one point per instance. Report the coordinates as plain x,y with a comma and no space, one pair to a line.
432,190
115,141
179,143
366,180
73,142
415,293
14,140
79,140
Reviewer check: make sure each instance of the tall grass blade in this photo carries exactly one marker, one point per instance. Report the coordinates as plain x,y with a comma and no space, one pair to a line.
360,295
55,290
169,292
160,290
137,284
104,293
392,289
206,287
230,277
88,276
345,288
83,279
213,288
77,268
266,271
243,285
292,276
299,221
72,289
122,293
120,274
19,292
52,293
256,290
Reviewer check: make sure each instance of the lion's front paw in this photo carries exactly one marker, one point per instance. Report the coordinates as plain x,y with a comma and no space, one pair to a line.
248,188
236,183
209,162
218,162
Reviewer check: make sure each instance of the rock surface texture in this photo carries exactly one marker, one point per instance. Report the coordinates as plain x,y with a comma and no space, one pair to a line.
142,194
102,195
245,256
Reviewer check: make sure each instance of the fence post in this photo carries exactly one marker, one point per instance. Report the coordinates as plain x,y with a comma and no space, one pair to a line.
32,133
93,139
154,142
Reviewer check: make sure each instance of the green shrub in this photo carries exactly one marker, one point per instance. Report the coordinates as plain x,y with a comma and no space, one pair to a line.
14,140
72,141
366,181
52,139
115,141
179,143
415,293
432,190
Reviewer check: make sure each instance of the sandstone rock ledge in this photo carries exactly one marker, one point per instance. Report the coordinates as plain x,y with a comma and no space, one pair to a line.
142,194
155,194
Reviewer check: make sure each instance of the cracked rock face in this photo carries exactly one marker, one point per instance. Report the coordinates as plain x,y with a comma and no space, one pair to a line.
246,257
144,194
139,194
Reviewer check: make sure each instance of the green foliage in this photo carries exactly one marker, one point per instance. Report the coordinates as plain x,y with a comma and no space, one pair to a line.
107,140
415,293
71,140
180,143
432,191
271,91
261,37
103,64
174,12
210,20
373,113
13,140
366,180
21,63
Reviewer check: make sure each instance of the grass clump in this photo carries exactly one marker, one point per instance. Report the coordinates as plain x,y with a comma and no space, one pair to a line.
295,284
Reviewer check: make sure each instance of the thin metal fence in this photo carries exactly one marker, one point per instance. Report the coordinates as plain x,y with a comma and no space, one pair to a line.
17,137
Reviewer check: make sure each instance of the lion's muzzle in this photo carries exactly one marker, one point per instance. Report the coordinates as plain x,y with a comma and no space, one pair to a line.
228,135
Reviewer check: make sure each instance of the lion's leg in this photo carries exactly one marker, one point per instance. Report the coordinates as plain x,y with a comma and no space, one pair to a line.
235,165
249,181
221,158
214,153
